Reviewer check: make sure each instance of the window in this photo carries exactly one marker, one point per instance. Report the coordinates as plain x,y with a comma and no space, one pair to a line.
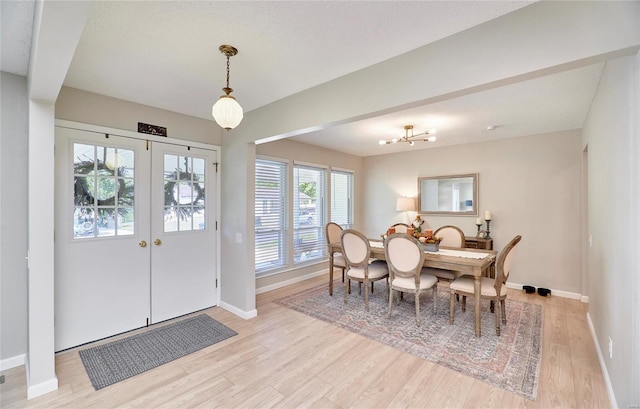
184,193
342,198
104,194
270,213
309,213
291,211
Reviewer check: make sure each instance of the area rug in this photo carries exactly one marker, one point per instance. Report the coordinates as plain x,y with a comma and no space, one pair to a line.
118,360
510,361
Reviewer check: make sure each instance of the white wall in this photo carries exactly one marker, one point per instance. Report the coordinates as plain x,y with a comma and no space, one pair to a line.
530,184
292,150
13,220
94,109
612,133
573,34
540,39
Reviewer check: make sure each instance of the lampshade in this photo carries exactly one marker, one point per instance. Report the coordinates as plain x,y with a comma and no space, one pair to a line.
405,204
227,112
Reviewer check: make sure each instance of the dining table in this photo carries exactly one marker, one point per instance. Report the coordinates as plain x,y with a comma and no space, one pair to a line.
477,263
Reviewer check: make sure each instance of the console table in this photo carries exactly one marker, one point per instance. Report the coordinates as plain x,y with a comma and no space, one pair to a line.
477,243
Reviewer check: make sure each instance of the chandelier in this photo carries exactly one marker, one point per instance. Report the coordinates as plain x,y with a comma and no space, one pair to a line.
226,111
409,137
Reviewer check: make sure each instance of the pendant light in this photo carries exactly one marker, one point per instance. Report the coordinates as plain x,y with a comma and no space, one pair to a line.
227,111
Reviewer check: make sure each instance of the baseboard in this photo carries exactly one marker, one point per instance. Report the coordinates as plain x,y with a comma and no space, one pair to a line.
290,281
12,362
33,391
558,293
237,311
603,366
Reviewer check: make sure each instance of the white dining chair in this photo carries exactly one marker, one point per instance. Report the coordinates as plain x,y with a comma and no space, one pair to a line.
490,288
400,227
332,233
451,236
405,258
356,250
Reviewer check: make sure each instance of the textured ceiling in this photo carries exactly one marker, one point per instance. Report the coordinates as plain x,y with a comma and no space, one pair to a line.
16,21
552,103
165,54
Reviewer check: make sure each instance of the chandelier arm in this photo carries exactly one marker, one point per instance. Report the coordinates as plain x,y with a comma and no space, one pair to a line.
408,138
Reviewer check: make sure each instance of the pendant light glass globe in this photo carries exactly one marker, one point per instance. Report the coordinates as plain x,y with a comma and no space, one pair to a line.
227,112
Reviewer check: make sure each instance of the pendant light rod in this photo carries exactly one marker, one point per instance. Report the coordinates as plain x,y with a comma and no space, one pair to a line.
226,111
229,51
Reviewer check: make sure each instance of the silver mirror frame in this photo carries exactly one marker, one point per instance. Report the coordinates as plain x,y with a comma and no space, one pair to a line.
422,207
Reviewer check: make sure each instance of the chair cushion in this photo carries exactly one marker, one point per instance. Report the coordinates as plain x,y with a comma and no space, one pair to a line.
466,285
440,273
426,281
376,270
339,260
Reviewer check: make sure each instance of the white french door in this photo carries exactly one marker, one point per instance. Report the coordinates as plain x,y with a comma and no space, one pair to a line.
183,237
135,239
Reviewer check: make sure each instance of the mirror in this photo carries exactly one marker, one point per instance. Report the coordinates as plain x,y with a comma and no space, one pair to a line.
452,194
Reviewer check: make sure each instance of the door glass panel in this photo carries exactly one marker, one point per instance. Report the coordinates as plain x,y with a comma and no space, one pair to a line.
104,191
184,195
198,218
170,220
198,169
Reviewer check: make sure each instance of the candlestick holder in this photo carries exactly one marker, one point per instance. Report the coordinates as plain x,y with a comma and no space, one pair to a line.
488,235
478,226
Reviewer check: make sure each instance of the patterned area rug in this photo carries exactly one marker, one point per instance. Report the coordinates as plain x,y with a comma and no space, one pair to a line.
118,360
510,361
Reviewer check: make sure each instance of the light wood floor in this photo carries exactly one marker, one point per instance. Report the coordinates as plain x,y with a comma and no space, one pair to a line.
286,359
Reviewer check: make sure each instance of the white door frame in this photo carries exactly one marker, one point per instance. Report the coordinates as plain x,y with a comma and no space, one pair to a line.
166,140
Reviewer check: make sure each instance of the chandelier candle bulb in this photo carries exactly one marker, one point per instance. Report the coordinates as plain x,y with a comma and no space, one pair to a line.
409,135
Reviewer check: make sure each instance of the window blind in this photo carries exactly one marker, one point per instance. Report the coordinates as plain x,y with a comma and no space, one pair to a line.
342,198
270,215
309,204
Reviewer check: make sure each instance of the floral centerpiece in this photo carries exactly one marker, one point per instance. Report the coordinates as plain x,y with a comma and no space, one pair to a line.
431,243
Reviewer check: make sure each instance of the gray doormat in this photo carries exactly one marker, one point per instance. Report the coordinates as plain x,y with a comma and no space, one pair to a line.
110,363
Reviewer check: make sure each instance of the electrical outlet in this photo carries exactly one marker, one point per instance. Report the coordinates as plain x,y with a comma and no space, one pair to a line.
610,348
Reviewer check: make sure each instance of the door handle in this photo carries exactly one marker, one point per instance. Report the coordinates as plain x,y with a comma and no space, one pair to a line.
142,243
157,242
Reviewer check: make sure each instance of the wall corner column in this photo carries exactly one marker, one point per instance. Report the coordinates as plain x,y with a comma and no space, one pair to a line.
40,365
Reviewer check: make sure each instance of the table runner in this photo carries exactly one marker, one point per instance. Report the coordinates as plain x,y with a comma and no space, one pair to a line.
458,253
442,252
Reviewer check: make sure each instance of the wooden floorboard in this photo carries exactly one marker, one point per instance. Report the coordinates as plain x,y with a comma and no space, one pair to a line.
285,359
